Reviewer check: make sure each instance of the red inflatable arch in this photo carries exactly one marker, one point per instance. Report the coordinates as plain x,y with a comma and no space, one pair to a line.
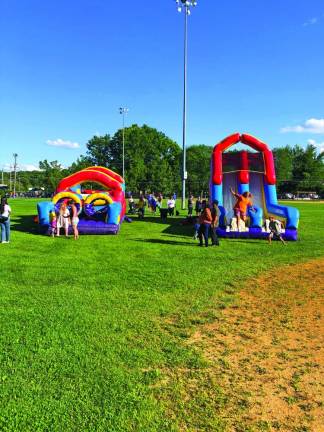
251,141
89,175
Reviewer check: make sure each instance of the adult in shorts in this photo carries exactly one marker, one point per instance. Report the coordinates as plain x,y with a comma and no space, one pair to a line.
75,220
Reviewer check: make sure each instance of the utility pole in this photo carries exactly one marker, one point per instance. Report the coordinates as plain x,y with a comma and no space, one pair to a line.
185,6
123,111
10,180
15,173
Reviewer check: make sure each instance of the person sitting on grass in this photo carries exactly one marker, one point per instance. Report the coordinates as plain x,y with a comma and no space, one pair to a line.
275,230
243,201
205,220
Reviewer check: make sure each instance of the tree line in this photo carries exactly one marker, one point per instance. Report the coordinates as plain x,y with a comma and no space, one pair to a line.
153,162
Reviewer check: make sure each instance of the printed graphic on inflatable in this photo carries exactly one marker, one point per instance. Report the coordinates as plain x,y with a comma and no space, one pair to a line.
248,171
100,211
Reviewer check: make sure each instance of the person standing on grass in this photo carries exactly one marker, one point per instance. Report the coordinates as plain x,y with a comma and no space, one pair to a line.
75,221
275,230
215,214
198,206
190,205
159,202
63,220
141,207
153,204
131,205
5,212
53,225
205,220
171,206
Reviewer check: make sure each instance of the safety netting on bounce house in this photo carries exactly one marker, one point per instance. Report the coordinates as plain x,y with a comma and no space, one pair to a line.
253,172
100,211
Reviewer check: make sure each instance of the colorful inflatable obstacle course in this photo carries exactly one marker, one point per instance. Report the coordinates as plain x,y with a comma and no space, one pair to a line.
100,211
254,172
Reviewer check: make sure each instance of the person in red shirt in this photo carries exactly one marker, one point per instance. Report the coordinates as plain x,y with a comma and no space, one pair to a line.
242,203
205,220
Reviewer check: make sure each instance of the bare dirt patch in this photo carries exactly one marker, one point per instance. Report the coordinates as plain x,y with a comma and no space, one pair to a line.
267,352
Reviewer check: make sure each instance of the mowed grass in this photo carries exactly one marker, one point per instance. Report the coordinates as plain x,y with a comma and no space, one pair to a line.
90,330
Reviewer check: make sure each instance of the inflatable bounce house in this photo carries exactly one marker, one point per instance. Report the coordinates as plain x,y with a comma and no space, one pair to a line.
248,171
100,211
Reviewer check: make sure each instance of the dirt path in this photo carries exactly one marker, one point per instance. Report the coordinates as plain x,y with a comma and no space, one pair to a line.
267,352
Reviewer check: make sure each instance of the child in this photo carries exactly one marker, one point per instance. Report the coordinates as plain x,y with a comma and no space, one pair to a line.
53,225
196,227
275,230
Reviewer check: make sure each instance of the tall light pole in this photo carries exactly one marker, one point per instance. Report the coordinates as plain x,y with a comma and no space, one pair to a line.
123,111
185,6
15,173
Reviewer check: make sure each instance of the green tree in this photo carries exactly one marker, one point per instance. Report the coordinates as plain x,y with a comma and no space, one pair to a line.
284,164
99,151
52,173
198,167
151,158
308,168
81,163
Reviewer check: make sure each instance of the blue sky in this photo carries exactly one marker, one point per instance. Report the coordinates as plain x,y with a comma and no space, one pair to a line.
67,65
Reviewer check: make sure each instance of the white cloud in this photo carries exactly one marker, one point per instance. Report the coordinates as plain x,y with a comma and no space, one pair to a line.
318,145
310,21
21,167
63,143
315,126
28,167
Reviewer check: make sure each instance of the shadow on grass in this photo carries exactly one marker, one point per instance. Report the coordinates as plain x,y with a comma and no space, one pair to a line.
254,242
25,224
164,242
173,225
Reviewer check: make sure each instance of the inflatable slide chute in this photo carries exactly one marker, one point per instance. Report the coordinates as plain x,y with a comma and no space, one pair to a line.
253,172
100,211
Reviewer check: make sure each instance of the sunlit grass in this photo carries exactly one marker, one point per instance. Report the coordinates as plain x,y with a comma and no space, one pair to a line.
88,327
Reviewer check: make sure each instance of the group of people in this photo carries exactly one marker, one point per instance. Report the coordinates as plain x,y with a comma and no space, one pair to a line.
207,218
207,223
154,203
67,215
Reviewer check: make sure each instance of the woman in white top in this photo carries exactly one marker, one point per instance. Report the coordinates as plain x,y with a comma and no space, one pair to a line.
63,220
5,212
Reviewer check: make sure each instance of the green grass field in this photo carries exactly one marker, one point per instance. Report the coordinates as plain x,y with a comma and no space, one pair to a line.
92,330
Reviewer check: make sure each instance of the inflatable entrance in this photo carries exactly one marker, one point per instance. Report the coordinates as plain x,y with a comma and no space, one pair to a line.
101,211
248,171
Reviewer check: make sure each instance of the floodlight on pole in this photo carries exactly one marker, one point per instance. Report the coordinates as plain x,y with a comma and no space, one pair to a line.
123,111
185,6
